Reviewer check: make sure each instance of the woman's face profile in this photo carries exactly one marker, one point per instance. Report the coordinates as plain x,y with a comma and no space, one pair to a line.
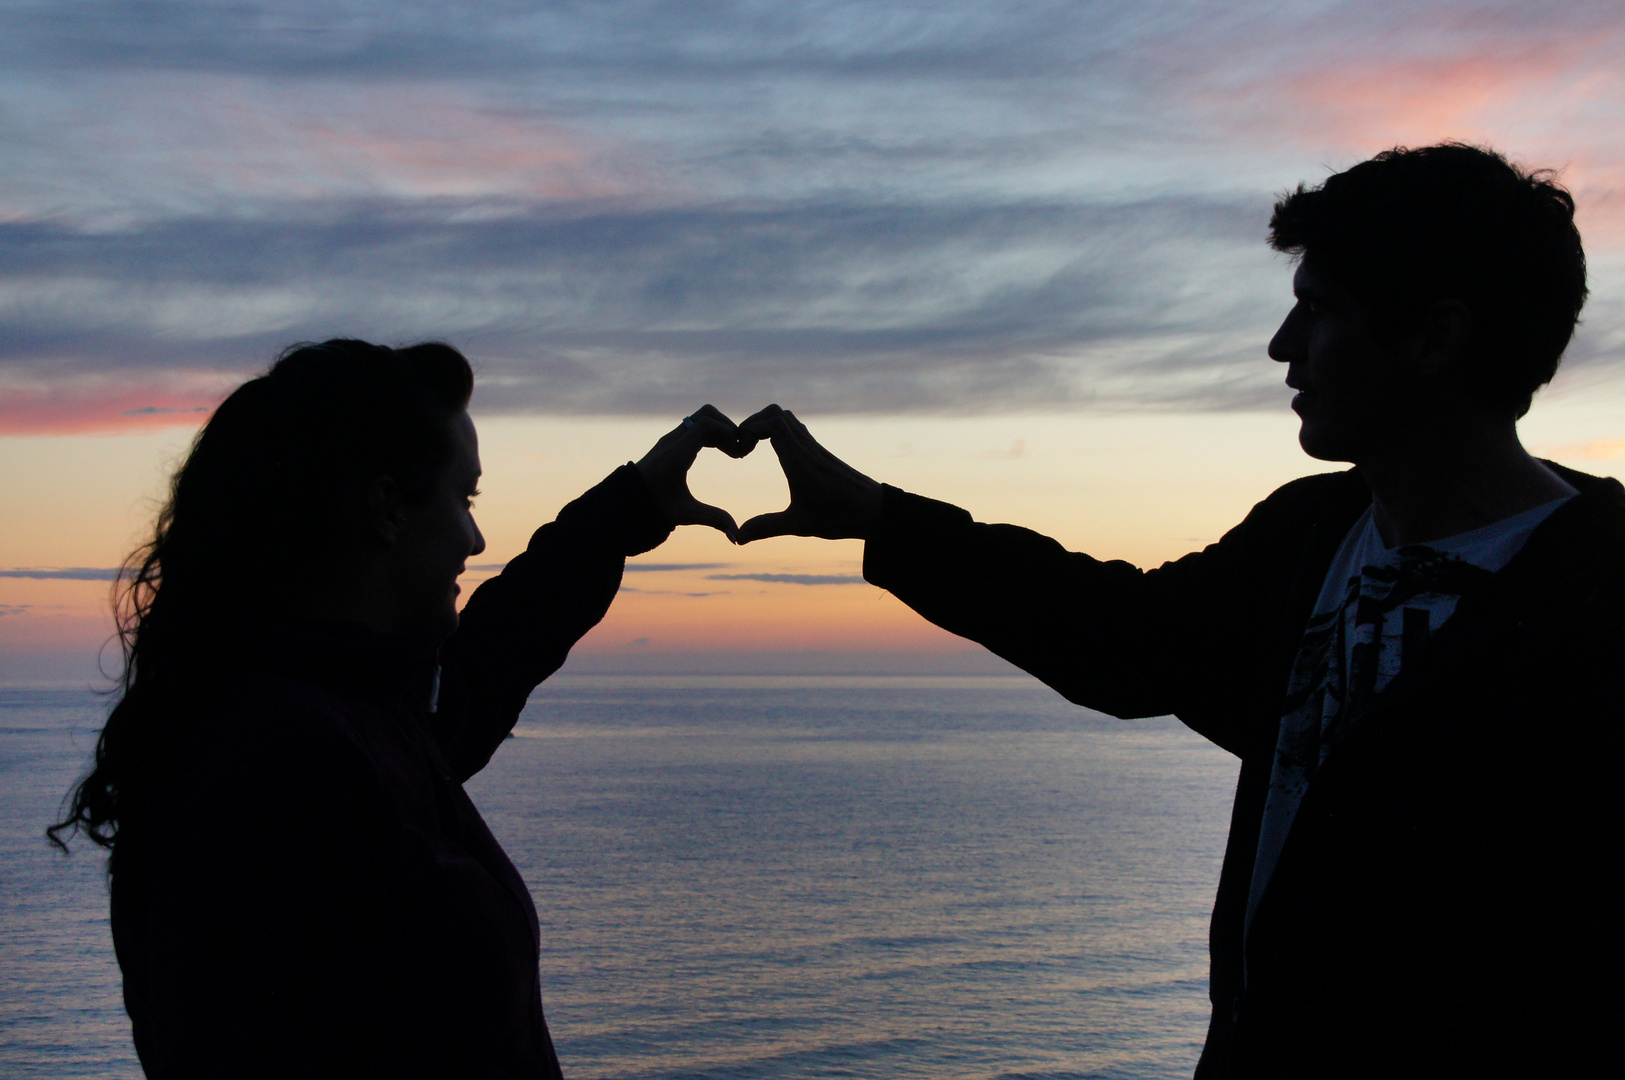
437,535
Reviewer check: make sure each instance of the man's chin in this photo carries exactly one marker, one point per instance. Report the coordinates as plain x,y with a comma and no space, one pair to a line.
1322,445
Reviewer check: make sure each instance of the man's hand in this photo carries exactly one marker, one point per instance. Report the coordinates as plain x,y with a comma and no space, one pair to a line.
665,468
828,497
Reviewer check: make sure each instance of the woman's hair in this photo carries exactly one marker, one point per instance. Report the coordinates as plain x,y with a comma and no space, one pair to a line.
251,517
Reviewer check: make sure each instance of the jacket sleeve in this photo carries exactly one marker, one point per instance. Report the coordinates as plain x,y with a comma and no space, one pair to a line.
519,626
1201,638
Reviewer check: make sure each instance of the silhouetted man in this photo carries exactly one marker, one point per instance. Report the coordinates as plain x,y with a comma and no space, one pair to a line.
1414,659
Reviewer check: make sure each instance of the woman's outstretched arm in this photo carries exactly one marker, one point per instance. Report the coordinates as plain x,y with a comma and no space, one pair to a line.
518,627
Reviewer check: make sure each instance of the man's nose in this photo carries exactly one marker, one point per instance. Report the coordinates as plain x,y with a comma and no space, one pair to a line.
1283,346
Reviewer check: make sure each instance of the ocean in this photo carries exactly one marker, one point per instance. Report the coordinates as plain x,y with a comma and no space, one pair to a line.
761,877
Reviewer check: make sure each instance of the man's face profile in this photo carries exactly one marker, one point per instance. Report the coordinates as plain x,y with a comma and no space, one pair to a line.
1354,392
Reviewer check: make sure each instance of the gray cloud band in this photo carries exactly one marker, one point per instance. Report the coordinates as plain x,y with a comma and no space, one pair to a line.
832,306
70,573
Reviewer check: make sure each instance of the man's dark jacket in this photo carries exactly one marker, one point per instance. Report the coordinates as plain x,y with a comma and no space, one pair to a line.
1442,904
316,896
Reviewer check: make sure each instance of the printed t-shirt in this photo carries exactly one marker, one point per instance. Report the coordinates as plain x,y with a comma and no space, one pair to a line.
1377,609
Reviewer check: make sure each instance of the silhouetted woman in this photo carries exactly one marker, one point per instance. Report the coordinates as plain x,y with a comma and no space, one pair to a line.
300,886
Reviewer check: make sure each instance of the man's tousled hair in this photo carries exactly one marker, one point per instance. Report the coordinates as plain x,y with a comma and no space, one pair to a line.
1411,227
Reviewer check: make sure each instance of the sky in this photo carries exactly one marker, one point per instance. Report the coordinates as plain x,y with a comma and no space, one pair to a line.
1009,255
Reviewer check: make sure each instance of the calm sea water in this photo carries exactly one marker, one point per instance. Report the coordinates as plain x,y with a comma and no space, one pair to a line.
744,877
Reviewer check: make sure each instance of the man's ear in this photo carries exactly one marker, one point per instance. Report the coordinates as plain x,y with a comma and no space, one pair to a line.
383,510
1443,336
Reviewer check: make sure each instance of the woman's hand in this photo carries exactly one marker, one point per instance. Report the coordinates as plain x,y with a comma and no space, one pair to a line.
828,497
665,468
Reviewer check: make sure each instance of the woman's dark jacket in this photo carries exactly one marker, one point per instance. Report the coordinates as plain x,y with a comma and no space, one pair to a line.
315,895
1443,905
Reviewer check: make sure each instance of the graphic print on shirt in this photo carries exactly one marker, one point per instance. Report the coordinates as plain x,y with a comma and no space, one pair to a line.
1350,652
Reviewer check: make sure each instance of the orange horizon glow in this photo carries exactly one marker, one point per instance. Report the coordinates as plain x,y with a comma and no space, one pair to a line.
1144,488
768,618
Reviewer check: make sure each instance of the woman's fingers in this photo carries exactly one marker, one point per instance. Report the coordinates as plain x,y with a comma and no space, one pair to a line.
669,459
710,426
665,468
705,429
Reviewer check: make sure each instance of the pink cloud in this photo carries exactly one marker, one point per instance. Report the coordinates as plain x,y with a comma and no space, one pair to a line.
402,141
1548,100
99,405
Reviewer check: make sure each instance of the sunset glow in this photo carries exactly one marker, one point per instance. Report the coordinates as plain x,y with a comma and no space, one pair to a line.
1008,261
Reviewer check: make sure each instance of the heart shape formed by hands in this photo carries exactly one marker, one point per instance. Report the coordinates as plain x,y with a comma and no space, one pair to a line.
746,486
828,498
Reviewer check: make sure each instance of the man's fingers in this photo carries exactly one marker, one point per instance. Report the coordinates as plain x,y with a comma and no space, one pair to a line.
762,526
713,412
760,414
787,444
782,427
797,427
762,425
714,516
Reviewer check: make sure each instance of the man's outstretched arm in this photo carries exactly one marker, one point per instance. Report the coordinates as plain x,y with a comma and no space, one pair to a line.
1186,638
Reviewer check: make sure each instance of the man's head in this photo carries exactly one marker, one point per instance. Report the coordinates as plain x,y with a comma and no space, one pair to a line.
1450,229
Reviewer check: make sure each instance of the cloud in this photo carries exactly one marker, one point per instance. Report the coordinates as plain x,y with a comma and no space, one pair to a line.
849,207
669,592
1541,83
834,306
32,403
1015,451
792,579
70,573
432,40
166,410
631,568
